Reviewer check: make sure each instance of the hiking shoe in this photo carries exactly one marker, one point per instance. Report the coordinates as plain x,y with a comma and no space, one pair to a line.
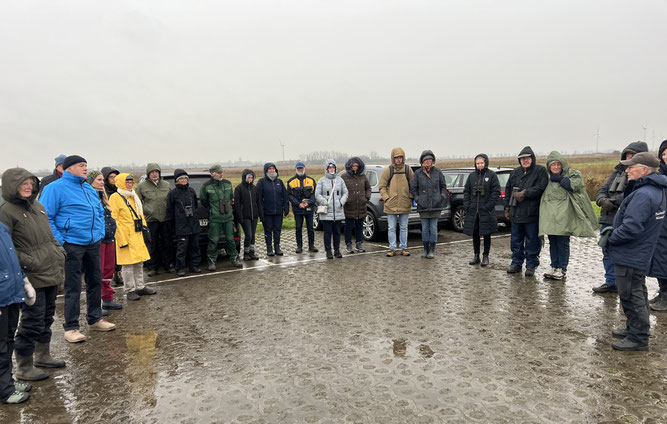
247,257
530,272
550,273
22,387
17,397
73,336
145,291
660,305
349,249
391,253
278,251
329,255
619,333
299,249
360,247
313,249
196,270
152,272
558,274
627,344
105,312
605,288
235,263
102,325
338,254
405,252
211,266
513,269
132,295
110,304
180,273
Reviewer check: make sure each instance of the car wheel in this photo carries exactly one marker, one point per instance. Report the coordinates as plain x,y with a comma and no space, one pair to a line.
370,228
317,225
458,218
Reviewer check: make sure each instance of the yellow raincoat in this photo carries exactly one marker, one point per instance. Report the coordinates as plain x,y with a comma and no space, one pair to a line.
130,246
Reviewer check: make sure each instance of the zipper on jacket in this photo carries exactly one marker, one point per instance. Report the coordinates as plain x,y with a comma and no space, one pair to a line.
92,227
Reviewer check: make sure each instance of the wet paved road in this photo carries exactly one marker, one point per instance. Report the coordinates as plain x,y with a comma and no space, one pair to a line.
363,339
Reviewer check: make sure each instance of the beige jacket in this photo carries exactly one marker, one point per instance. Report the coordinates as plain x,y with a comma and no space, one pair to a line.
397,199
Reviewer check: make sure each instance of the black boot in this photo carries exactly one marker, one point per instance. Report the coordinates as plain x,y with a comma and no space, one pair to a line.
431,250
313,249
329,255
26,371
475,260
253,255
427,248
43,357
348,248
278,251
485,259
269,250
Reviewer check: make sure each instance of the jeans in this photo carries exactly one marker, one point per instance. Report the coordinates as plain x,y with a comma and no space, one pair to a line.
403,224
36,321
634,300
525,244
331,228
429,230
609,276
249,228
160,245
298,220
9,317
188,245
358,226
86,258
559,248
273,225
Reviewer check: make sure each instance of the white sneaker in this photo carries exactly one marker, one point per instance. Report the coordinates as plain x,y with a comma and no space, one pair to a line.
73,336
102,325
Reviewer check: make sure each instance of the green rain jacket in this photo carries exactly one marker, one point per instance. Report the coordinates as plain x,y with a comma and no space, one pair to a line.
218,196
564,212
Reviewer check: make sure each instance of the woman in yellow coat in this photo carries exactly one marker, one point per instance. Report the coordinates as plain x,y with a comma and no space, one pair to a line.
131,251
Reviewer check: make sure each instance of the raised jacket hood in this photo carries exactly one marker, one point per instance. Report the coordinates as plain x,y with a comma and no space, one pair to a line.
108,170
486,161
635,147
326,166
350,161
662,148
397,151
120,180
527,150
425,153
153,167
247,172
12,179
557,157
268,165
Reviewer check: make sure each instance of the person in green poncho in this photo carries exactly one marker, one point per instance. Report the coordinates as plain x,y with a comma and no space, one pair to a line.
565,210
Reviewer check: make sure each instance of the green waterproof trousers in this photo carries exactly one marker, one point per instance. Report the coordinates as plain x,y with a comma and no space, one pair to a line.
214,230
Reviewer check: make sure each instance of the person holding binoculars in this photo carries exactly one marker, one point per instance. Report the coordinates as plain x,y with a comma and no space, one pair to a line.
131,249
480,195
182,206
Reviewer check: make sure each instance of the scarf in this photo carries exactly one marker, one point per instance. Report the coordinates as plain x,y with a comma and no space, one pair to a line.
137,202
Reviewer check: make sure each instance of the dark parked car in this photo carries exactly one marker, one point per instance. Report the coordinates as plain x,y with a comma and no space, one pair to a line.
197,179
376,220
456,179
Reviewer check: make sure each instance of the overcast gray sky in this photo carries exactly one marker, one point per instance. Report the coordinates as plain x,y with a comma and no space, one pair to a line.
200,81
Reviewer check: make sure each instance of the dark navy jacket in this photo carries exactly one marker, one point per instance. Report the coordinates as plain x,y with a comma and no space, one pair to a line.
273,198
638,222
659,260
11,274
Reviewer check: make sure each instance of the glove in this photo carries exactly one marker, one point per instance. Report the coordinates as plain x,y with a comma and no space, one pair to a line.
30,295
520,195
556,178
607,204
507,214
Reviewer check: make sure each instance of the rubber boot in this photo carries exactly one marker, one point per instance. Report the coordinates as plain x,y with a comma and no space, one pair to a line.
26,371
43,357
475,260
431,250
485,259
269,250
279,252
427,247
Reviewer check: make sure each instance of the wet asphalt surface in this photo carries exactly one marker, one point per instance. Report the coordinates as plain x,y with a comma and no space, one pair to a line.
363,339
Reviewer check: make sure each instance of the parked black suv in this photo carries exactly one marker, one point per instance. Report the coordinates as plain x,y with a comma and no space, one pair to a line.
376,220
197,179
456,180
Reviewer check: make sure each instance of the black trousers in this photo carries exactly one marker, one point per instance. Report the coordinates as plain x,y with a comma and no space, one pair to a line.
160,248
631,284
36,321
298,220
249,229
88,259
331,228
188,246
476,241
273,225
9,318
358,226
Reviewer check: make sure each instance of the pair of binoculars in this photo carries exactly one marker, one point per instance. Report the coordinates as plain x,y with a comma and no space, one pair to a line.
478,190
513,201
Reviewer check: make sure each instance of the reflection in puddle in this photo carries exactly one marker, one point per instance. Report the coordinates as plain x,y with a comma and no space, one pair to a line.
400,346
141,364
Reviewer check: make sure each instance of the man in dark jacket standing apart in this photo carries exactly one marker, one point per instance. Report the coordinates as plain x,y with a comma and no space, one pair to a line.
77,221
273,203
609,198
358,194
632,243
217,195
301,192
182,206
57,173
153,193
523,191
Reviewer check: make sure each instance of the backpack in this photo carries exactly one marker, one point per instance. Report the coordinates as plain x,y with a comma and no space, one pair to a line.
391,175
